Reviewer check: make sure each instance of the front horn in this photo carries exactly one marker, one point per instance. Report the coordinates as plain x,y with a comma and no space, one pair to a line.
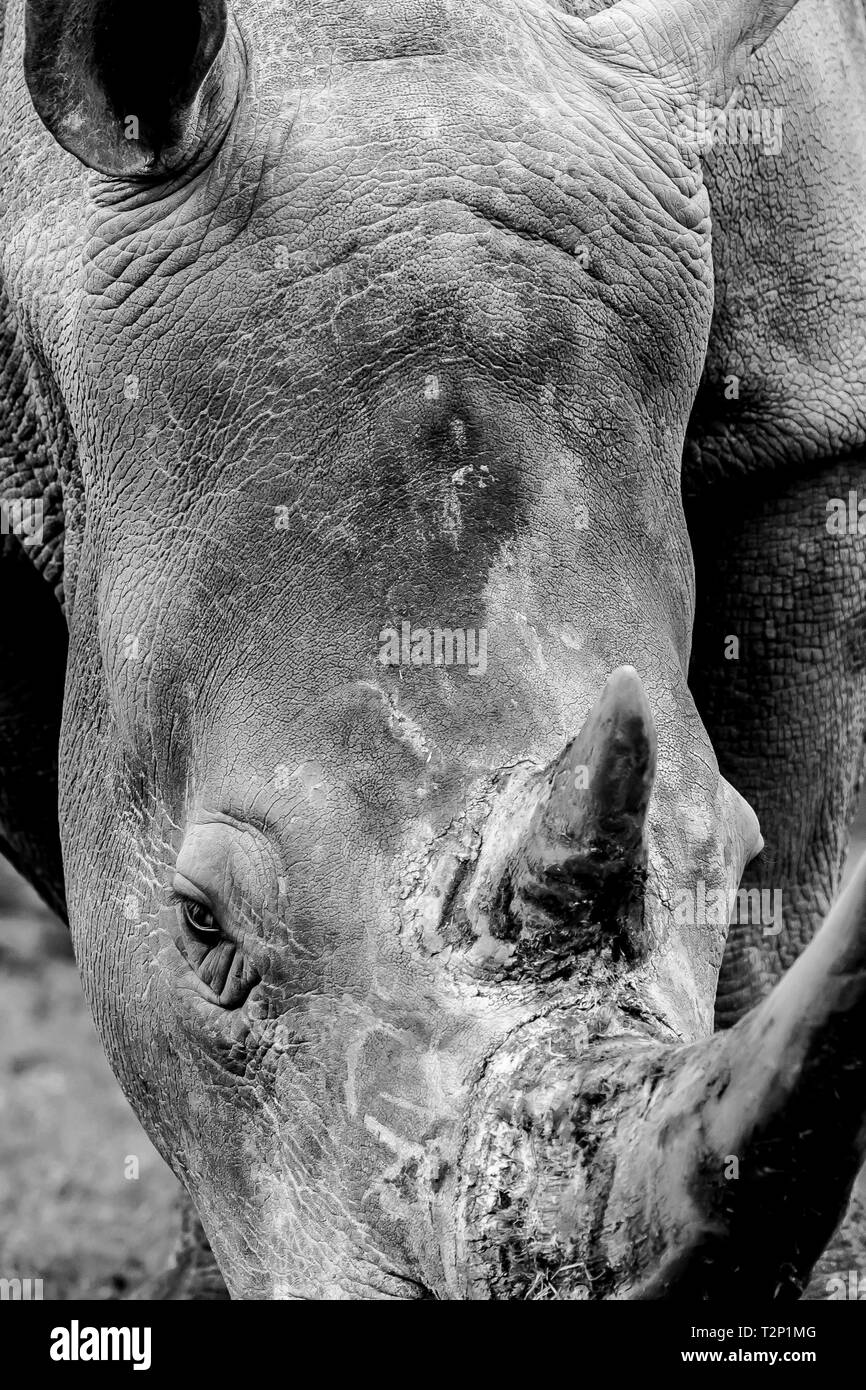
576,880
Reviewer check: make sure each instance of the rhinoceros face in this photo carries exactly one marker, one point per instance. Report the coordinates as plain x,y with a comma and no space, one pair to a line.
388,324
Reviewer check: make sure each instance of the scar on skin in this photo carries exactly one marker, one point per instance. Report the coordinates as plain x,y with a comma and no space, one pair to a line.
407,1104
403,1148
400,726
353,1056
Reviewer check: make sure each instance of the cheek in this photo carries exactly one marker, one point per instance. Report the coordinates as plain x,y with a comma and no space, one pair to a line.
132,1013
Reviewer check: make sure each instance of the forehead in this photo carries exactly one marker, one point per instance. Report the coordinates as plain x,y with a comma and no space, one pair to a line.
440,165
307,37
510,108
403,264
350,114
405,204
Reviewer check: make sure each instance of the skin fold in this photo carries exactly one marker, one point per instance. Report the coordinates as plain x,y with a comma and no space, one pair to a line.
431,313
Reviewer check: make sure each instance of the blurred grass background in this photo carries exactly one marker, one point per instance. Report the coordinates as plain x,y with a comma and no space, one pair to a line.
68,1214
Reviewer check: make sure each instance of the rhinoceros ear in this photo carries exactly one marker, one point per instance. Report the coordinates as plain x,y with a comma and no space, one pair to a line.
703,44
128,89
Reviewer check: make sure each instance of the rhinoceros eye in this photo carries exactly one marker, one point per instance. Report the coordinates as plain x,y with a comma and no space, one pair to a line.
196,913
218,961
200,921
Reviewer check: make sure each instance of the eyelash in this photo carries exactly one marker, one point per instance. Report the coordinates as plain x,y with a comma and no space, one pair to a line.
204,935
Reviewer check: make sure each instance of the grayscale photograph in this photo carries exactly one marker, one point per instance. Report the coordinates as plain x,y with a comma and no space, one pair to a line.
432,666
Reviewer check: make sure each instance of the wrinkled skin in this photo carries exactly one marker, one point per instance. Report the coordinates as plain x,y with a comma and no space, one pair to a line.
438,279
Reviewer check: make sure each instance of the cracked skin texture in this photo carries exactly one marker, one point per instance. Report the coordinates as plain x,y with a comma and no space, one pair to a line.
367,309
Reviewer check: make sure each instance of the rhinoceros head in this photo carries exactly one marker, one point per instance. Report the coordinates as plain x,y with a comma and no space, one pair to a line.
377,329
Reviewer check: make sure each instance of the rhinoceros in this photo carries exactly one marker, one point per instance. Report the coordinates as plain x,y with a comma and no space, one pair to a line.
434,646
